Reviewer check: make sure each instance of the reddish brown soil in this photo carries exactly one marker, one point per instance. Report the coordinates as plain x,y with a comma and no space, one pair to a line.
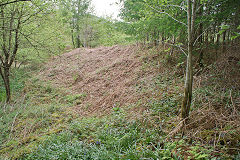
107,75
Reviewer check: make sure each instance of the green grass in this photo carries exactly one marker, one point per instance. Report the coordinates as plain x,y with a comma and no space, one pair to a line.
37,112
114,137
100,139
75,99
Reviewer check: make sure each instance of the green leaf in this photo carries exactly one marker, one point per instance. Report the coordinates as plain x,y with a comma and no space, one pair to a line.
225,27
234,37
202,156
221,31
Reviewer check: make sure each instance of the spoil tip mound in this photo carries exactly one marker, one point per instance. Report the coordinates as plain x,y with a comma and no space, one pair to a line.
106,76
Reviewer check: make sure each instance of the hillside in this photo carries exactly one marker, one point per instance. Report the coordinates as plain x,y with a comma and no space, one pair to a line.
116,101
106,75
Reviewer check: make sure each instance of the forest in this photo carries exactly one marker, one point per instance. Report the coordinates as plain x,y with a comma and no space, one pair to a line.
161,81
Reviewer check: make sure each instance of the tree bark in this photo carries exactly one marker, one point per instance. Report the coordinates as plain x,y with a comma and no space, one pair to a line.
223,43
200,58
7,85
5,76
186,104
217,42
72,32
78,28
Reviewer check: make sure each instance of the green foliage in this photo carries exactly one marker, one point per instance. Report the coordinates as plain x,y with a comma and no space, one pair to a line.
146,23
111,138
18,77
59,147
88,30
104,32
149,21
237,34
224,28
49,40
108,140
75,99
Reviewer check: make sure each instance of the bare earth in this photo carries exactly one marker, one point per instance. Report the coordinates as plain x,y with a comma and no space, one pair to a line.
107,75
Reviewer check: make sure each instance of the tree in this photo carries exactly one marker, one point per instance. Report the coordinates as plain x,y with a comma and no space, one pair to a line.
14,19
191,14
11,22
73,12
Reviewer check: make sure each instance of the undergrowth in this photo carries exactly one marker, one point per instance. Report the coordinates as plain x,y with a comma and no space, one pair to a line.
41,124
17,80
111,138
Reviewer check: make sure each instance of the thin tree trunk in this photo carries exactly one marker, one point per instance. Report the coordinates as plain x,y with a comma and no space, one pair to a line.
206,39
217,43
200,58
212,34
173,44
78,35
78,41
5,76
189,73
162,38
223,43
228,37
73,41
7,85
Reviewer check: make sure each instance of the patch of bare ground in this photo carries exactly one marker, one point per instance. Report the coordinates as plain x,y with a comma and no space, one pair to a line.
107,75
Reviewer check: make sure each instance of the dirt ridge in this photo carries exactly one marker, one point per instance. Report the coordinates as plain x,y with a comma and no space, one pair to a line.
107,75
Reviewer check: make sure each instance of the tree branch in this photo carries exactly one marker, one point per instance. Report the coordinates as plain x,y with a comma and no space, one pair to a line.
166,14
181,48
3,4
175,6
201,34
16,45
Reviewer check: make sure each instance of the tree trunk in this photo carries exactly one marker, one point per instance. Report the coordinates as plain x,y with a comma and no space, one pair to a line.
189,73
5,76
78,35
206,39
200,33
78,41
223,43
213,34
162,38
73,40
173,44
7,86
217,41
72,31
